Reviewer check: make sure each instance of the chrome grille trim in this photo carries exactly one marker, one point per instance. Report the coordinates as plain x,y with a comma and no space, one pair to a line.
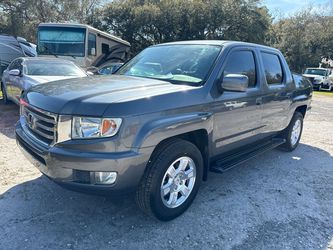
51,120
41,124
38,124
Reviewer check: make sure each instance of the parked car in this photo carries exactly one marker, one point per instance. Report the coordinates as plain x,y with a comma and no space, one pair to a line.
105,69
109,68
25,72
321,78
14,47
158,126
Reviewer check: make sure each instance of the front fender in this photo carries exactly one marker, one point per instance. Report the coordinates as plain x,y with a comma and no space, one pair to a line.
157,130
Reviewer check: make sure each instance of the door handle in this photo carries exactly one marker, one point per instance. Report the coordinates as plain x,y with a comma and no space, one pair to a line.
259,101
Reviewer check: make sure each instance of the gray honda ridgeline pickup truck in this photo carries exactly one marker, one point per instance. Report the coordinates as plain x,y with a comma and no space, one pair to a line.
169,116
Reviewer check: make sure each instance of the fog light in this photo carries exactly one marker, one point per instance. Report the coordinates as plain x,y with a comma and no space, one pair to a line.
105,178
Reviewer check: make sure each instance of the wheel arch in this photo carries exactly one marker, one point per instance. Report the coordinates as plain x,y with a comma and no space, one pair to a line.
200,138
302,109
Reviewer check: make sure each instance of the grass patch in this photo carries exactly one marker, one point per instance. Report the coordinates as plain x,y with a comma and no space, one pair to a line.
323,93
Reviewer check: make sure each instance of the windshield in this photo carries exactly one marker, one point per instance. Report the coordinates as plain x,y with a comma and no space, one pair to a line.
44,68
182,64
320,72
62,41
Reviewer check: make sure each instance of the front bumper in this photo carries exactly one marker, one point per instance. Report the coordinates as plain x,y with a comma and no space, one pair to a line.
73,168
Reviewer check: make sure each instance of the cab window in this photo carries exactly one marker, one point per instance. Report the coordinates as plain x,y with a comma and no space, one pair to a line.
273,68
242,62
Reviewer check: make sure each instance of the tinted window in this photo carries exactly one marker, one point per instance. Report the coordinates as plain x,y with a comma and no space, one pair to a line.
273,68
242,62
105,48
91,43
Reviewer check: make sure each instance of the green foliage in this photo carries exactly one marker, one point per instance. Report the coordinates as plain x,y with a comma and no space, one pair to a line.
143,23
21,17
304,38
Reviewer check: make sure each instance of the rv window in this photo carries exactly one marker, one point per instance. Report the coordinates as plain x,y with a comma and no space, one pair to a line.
105,48
91,44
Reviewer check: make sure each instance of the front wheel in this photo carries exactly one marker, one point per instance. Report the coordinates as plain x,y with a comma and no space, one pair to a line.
171,181
292,134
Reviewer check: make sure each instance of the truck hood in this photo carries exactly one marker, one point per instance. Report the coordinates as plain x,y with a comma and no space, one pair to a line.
92,96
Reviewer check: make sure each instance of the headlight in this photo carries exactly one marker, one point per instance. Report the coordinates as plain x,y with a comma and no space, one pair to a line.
90,127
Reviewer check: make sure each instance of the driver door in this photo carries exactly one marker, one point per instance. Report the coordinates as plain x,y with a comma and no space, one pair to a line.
238,115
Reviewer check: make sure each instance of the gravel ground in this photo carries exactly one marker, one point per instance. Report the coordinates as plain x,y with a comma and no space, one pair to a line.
276,201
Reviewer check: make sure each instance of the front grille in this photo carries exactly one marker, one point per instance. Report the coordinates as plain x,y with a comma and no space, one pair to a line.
41,124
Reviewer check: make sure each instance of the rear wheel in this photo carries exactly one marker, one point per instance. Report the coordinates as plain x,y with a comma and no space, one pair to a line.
292,134
171,181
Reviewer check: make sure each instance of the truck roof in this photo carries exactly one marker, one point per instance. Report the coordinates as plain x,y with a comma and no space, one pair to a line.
79,25
220,43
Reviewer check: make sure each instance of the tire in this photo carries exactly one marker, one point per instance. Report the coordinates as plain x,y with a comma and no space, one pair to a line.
149,193
292,134
4,94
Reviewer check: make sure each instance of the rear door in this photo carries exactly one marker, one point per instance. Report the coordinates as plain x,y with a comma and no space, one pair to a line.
277,96
237,119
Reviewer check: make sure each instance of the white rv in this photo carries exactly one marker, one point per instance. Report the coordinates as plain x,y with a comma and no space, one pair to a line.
83,44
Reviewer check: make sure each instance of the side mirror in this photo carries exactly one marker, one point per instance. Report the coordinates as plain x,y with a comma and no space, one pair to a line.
235,82
93,51
15,72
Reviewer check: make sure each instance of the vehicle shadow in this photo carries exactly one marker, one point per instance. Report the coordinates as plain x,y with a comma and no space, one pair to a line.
9,115
277,200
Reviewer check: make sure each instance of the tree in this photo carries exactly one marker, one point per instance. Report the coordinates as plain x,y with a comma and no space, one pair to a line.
20,17
304,38
146,22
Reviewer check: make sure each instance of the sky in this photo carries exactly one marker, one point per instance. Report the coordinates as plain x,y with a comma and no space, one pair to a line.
288,7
